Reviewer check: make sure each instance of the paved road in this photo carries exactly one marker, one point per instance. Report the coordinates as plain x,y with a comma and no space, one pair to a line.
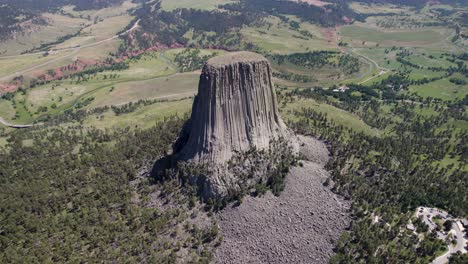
21,72
74,49
457,230
373,64
2,121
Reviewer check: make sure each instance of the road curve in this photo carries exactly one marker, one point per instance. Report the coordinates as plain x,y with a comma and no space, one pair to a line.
3,122
74,49
457,230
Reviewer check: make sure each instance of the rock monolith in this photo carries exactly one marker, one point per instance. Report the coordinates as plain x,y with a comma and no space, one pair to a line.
234,111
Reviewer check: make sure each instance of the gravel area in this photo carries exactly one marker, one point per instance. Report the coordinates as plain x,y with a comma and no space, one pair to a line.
299,226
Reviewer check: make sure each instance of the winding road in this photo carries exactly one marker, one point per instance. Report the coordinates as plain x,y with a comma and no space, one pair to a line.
74,49
373,63
457,230
2,121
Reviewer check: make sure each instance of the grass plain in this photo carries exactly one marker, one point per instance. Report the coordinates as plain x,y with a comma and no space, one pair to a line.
143,117
170,5
413,38
337,115
278,38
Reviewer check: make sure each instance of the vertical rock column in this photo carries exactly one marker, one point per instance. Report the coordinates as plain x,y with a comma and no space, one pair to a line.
235,110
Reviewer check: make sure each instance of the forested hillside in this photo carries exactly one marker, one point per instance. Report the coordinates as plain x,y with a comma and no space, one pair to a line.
11,17
336,14
76,195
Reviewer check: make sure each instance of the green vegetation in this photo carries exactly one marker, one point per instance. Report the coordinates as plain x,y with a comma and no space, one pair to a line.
388,92
419,37
99,208
170,5
189,60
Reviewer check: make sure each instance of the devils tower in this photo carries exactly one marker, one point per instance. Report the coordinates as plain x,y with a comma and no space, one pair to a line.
234,111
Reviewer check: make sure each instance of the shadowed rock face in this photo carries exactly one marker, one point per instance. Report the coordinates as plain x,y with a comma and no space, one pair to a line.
235,109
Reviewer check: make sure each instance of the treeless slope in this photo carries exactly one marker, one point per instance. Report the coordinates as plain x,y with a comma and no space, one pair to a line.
299,226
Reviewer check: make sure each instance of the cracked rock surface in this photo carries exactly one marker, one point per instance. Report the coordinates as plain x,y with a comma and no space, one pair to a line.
234,110
299,226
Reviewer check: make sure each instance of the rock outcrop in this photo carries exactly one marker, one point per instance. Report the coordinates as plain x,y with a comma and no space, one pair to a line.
235,111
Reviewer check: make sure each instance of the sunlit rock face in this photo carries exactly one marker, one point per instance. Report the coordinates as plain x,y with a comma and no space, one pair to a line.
235,111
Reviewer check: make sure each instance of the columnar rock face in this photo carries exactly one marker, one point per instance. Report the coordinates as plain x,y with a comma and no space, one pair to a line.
235,109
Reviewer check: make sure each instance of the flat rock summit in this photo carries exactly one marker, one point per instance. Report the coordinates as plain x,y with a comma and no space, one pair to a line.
234,111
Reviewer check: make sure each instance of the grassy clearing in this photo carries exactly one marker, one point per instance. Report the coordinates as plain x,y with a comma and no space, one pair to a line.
111,11
10,66
422,57
143,117
3,142
149,77
170,5
442,89
172,87
390,38
6,109
339,116
430,60
171,54
377,8
59,25
279,38
324,76
109,22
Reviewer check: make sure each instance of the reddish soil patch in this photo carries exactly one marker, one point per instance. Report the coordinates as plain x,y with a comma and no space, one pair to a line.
8,87
54,74
330,35
80,65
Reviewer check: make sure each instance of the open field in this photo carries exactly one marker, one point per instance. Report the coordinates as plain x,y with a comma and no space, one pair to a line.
279,38
101,13
172,87
339,116
59,25
377,8
143,117
108,23
152,76
442,89
323,76
170,5
390,38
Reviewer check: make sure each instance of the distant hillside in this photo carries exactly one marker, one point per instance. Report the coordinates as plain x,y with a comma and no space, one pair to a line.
16,14
414,3
221,28
42,5
12,17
